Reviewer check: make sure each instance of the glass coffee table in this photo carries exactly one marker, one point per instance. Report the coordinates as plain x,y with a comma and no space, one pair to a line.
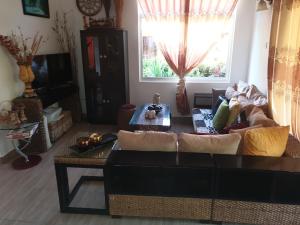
68,158
162,122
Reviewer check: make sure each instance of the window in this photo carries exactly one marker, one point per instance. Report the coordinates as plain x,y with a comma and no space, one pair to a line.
214,67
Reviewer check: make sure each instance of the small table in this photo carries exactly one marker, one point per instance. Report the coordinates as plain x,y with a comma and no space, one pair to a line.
162,122
67,157
20,137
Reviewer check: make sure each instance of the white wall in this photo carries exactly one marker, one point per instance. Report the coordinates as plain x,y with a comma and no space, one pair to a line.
141,92
258,69
11,16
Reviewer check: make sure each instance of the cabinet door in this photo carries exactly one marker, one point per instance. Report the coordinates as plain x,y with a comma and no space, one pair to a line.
112,57
113,70
104,67
92,73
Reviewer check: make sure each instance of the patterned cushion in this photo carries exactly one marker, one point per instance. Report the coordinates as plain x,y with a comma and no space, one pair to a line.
202,120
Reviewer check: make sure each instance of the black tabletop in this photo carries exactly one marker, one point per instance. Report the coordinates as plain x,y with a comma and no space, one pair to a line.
284,164
160,159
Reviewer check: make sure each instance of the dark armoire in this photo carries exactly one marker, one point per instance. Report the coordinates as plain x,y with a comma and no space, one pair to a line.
105,66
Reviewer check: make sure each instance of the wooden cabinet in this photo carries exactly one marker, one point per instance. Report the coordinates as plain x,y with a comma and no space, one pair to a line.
104,57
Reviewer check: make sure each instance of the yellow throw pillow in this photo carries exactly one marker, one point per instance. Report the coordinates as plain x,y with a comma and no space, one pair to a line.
242,132
234,110
269,141
147,141
213,144
257,116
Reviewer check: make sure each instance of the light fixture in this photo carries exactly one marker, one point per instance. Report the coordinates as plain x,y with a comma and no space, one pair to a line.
263,5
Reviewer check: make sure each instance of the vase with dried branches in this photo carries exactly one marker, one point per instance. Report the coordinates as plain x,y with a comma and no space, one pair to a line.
18,46
119,5
66,39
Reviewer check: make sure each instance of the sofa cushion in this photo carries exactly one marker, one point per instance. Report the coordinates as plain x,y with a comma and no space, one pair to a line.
234,111
147,141
213,144
218,103
202,121
257,116
242,132
221,117
242,87
235,126
253,92
269,141
231,92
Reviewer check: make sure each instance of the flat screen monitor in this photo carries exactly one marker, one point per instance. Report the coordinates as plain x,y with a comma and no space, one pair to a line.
51,70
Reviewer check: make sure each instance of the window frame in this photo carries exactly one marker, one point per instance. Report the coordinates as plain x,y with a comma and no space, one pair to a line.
202,80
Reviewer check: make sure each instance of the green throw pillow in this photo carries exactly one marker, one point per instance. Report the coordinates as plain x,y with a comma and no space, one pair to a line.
221,117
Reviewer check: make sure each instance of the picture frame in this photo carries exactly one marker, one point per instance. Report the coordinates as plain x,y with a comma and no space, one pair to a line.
39,8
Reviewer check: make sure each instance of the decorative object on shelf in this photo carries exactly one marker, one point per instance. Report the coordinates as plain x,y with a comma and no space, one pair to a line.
89,7
85,22
156,108
95,138
107,5
20,109
12,114
100,22
150,114
92,142
92,22
36,8
83,142
18,47
5,109
119,5
27,76
156,99
66,39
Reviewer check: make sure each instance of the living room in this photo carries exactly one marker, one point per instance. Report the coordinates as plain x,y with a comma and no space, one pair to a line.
149,112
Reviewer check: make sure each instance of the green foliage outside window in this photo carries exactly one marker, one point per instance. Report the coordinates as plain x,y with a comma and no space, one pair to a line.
158,68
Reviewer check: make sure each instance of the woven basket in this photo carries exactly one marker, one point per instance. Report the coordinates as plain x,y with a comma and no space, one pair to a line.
166,207
255,213
59,127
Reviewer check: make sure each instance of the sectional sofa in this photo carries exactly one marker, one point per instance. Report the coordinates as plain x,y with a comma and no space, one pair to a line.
214,188
212,178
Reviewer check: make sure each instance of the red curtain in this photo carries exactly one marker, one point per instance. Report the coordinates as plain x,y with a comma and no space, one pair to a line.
186,30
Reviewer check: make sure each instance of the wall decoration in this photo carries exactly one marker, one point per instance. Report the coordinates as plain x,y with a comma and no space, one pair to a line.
89,7
38,8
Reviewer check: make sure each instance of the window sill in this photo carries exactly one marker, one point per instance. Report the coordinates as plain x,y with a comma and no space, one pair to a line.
188,80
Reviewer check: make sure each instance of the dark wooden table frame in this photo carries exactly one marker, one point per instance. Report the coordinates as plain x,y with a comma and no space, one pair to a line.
66,197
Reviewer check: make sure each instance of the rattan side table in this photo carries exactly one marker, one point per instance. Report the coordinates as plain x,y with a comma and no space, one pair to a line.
67,158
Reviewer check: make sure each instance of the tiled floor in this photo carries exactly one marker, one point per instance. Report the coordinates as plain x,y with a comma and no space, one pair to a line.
29,197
